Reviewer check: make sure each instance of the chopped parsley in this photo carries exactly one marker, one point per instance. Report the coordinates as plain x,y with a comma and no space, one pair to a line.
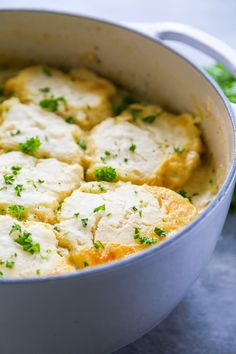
102,188
31,145
9,179
40,181
82,144
178,150
10,264
151,118
44,89
1,274
17,211
19,188
70,120
38,272
76,215
184,194
99,208
51,104
57,228
160,232
15,228
25,240
132,148
98,244
134,208
47,71
15,170
2,211
126,159
107,174
135,112
86,264
84,222
143,240
124,101
15,132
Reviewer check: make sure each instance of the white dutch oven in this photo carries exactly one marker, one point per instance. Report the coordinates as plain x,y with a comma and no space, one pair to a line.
96,311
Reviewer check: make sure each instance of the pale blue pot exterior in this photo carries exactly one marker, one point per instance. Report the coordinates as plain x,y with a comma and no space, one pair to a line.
99,310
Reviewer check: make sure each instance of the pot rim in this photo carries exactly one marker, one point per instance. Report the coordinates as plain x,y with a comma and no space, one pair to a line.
226,187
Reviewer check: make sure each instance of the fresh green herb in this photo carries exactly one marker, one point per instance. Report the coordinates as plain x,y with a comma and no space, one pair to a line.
184,194
132,148
70,120
102,188
82,144
224,79
233,203
178,150
15,170
98,244
140,213
40,181
31,145
135,112
151,118
99,208
38,272
124,102
15,132
19,188
10,264
84,222
134,208
126,159
76,215
57,228
160,232
15,228
17,211
86,264
44,89
47,71
2,211
25,240
1,274
105,174
51,104
9,179
137,231
108,214
143,240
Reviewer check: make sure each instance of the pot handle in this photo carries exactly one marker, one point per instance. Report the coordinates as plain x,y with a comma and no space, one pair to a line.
198,39
193,37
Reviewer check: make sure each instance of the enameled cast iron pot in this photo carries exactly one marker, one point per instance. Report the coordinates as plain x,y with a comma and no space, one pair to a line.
98,310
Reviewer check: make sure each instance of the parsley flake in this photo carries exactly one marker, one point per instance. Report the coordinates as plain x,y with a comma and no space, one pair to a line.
19,188
132,148
82,144
99,208
31,145
15,132
84,222
160,232
107,174
25,240
17,211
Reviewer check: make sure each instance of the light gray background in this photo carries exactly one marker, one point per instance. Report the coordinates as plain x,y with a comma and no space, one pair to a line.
205,321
